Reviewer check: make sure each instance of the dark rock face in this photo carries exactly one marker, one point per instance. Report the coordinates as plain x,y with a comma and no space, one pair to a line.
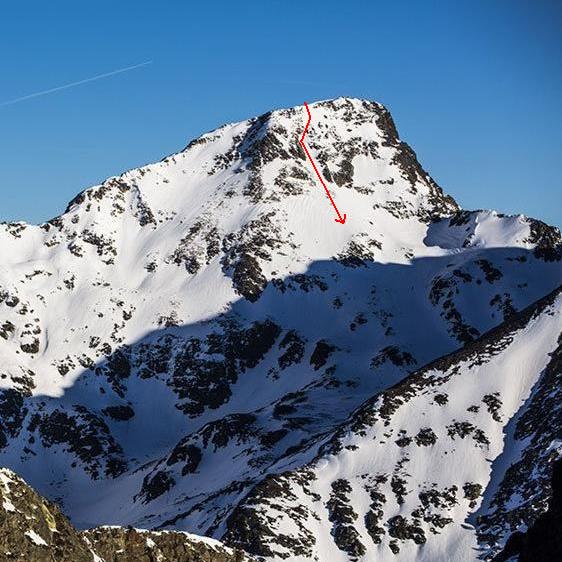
12,414
543,540
187,453
547,239
221,432
321,353
87,437
343,517
7,329
293,346
249,527
395,356
426,437
119,413
399,528
442,292
117,369
248,278
202,380
194,375
156,485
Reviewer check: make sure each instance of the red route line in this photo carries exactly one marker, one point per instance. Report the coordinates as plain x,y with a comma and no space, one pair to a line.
301,141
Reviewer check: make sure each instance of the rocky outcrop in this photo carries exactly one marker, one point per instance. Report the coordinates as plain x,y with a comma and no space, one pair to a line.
118,544
33,529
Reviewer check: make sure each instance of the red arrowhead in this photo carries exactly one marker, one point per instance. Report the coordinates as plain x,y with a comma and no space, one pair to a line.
341,220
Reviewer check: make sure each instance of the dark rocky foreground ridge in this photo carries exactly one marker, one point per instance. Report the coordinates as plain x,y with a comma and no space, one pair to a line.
33,529
190,341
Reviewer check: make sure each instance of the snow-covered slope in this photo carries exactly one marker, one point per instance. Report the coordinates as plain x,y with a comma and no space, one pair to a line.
419,471
189,327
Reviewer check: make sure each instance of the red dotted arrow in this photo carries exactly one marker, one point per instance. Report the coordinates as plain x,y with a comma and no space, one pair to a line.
340,219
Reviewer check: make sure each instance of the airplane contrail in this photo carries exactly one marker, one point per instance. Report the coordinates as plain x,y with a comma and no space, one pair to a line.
72,84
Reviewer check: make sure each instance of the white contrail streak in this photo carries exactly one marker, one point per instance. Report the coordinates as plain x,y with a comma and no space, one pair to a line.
72,84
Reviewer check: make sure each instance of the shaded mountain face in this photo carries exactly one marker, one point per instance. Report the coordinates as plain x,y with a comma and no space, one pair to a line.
190,329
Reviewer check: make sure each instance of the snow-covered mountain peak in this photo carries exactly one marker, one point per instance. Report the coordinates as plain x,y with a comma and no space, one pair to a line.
242,171
237,209
207,311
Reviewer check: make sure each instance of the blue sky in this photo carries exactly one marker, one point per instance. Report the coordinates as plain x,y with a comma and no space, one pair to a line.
474,86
